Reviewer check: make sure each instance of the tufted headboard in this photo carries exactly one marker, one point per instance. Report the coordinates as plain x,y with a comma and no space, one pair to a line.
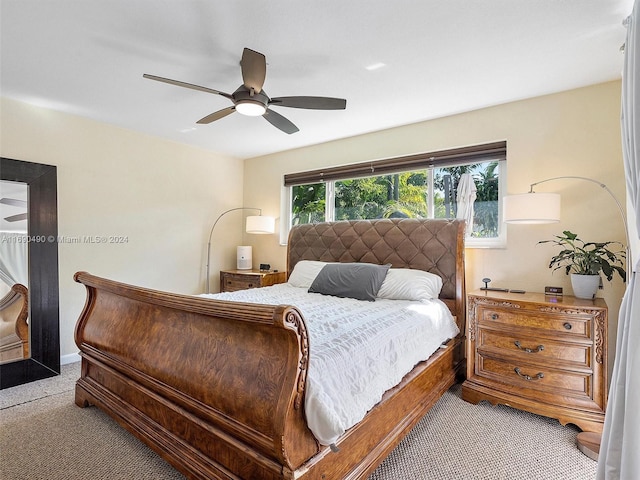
436,246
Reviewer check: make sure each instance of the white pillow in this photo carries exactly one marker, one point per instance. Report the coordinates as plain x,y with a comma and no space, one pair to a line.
408,284
304,273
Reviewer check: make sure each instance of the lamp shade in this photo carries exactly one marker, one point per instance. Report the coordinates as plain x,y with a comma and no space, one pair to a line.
532,208
260,224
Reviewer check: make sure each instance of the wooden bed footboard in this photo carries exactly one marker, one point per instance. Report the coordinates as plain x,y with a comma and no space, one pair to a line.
216,384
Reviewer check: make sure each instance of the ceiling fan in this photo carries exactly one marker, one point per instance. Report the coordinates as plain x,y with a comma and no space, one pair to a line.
250,99
14,202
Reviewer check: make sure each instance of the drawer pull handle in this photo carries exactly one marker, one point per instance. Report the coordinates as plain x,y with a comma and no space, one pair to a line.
528,350
494,316
528,377
567,325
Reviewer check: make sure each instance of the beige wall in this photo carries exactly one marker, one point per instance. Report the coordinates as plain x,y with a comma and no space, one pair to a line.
570,133
162,196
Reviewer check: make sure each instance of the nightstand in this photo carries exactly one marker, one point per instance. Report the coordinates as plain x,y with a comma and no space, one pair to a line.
546,355
232,280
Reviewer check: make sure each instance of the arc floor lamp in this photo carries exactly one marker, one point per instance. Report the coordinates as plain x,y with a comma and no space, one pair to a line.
532,207
256,224
535,208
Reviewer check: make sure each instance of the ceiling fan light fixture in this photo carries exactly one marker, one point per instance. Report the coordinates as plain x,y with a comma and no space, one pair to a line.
250,108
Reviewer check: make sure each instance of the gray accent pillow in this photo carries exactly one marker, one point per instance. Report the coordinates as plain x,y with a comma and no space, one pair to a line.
351,280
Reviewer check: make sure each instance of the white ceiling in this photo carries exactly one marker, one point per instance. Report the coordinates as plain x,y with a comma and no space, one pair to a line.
441,57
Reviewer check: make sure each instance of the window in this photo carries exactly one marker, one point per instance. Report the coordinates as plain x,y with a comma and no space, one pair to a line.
438,186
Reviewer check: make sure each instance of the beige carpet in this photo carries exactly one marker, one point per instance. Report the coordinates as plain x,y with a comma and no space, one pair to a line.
44,436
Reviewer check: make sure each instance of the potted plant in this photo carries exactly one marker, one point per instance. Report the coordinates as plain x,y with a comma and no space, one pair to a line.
585,260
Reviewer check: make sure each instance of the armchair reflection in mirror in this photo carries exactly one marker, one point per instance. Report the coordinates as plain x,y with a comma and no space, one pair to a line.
30,297
14,329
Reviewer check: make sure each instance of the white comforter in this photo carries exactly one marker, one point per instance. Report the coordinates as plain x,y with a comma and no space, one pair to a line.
358,349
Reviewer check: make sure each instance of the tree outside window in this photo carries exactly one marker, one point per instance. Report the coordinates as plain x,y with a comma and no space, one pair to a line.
403,194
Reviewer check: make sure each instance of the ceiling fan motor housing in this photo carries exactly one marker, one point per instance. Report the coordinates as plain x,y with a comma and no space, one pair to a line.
243,95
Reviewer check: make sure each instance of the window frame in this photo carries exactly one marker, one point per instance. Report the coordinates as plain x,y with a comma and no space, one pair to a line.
495,151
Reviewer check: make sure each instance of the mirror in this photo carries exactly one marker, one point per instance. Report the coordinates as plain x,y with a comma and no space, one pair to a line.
43,313
14,273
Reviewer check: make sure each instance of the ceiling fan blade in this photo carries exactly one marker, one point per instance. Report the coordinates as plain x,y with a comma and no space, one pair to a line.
280,122
254,69
212,117
16,218
14,202
187,85
315,103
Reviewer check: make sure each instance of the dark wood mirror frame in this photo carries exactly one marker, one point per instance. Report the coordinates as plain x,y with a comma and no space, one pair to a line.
44,316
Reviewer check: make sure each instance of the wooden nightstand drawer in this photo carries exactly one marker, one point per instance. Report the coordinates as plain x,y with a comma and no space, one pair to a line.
239,282
534,348
556,384
233,280
536,320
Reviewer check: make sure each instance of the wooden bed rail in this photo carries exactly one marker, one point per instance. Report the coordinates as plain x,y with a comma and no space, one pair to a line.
227,379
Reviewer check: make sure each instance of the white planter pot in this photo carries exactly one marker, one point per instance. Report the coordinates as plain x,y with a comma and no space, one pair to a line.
585,286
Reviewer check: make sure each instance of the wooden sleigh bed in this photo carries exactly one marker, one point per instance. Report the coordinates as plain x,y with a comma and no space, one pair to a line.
216,387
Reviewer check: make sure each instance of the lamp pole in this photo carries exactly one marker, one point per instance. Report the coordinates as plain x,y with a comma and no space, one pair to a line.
211,233
608,190
589,442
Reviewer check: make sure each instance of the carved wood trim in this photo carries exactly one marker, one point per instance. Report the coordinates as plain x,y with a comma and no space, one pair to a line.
498,303
473,304
294,319
570,311
600,335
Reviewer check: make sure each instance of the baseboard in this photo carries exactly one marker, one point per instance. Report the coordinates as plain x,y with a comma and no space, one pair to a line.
71,358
